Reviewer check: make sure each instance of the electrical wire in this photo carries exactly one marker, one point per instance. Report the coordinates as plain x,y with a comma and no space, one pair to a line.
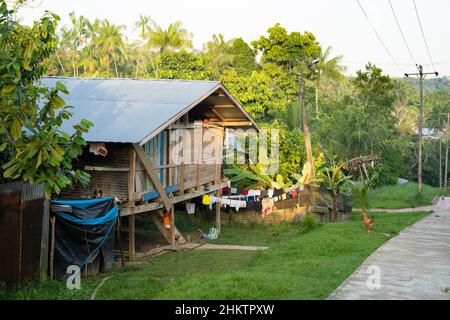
379,38
401,32
423,35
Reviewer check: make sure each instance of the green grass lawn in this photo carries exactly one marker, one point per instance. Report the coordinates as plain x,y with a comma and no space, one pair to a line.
400,196
297,265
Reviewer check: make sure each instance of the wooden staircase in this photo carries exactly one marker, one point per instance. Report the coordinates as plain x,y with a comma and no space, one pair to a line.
157,219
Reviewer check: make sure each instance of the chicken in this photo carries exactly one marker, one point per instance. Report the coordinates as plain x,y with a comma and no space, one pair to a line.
368,222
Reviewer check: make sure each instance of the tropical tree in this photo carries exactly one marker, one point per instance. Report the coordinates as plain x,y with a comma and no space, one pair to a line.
182,65
110,41
144,26
335,180
33,148
293,51
175,37
328,68
217,57
243,57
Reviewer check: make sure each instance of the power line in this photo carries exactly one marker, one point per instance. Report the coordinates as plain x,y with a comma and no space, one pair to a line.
401,32
423,35
378,36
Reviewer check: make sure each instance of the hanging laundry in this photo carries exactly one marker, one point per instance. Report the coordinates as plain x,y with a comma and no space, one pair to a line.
206,200
264,193
267,206
270,193
237,204
225,190
245,192
190,208
278,192
254,192
234,190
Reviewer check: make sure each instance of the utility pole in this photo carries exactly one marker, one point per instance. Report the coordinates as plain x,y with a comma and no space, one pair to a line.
421,76
440,163
446,155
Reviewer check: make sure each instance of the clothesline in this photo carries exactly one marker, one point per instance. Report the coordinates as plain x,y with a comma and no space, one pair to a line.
258,200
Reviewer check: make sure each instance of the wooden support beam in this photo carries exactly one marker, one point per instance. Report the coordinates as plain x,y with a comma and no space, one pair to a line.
182,178
131,236
151,173
234,123
172,226
218,115
218,211
126,211
164,175
110,169
157,220
131,175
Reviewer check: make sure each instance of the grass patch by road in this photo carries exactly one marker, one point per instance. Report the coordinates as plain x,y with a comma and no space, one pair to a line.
400,196
297,265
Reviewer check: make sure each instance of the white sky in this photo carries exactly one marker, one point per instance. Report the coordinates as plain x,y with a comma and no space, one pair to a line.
340,24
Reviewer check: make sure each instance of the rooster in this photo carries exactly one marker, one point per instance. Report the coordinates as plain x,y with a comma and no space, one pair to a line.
368,222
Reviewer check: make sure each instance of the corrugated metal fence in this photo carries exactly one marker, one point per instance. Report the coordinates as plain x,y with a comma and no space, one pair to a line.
24,216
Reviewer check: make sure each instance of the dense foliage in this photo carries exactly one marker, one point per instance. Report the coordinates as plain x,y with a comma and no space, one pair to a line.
32,147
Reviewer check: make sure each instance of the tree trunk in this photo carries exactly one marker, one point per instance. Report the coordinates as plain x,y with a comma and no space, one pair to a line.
60,64
307,136
115,67
334,212
317,100
137,63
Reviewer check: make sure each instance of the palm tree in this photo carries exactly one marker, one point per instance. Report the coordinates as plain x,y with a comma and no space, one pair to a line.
328,68
144,26
110,41
219,59
175,37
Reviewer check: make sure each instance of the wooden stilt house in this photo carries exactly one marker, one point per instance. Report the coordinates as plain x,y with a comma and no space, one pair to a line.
133,149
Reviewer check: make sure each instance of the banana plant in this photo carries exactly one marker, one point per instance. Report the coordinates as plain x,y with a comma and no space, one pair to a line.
335,180
254,176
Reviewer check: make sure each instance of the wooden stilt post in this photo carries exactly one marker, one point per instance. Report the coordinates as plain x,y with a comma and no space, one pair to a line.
172,226
119,239
131,237
182,177
131,219
218,212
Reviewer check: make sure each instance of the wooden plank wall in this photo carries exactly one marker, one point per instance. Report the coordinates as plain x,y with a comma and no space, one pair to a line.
109,182
197,174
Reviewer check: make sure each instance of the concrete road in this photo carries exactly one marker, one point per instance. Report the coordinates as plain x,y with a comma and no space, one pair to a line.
413,265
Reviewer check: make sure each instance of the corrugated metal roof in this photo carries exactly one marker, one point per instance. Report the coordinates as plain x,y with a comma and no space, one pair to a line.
128,110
